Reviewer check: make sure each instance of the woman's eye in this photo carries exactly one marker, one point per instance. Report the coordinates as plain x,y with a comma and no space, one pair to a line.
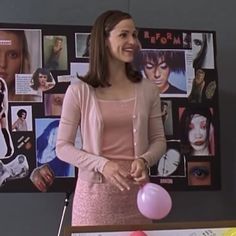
149,65
163,66
191,126
13,55
200,172
197,42
123,35
203,125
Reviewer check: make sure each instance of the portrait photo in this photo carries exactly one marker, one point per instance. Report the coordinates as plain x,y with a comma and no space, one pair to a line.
55,52
22,53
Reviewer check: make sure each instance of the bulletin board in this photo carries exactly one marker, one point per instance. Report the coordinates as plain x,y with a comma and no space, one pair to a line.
39,62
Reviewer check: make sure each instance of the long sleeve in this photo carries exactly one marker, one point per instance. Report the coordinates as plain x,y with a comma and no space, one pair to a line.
68,127
156,136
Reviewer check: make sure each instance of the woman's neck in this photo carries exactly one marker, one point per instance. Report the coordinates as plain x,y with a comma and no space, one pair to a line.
202,152
117,73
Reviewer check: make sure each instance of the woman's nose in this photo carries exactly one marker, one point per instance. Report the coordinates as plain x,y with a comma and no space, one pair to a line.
133,40
198,133
157,73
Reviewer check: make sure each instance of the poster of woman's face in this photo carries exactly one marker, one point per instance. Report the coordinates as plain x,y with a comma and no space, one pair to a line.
202,50
197,131
21,49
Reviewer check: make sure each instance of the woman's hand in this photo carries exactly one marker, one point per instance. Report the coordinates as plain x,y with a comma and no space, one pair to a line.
139,171
116,175
42,177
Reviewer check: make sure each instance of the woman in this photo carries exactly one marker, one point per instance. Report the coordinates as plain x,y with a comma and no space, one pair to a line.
121,127
42,80
46,154
157,66
14,59
196,127
197,92
20,124
53,60
3,118
202,50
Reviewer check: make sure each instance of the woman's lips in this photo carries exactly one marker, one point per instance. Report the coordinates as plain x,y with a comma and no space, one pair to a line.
199,143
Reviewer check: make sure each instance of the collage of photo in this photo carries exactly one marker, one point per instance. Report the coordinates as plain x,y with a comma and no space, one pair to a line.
39,62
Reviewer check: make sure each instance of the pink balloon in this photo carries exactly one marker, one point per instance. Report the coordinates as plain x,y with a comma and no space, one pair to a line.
138,233
154,202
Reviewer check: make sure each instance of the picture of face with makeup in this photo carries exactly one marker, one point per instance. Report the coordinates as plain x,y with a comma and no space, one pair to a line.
157,66
199,173
196,129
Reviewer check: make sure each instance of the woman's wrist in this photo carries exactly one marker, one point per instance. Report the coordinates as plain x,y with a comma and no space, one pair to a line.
145,163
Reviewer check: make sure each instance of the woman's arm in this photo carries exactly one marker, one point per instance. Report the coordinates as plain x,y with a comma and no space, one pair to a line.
5,103
15,125
69,123
157,140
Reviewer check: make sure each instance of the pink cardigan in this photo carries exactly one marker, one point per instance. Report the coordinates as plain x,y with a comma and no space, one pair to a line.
80,109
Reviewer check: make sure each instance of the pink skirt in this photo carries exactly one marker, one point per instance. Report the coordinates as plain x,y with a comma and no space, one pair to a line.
105,204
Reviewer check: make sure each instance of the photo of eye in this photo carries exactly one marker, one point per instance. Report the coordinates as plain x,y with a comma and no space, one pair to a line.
199,173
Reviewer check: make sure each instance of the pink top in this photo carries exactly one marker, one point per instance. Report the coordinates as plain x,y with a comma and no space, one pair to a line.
80,110
117,133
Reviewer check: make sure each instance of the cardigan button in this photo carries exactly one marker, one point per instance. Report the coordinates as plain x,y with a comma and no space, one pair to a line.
100,178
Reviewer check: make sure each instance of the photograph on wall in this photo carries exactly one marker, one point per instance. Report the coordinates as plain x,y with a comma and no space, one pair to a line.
82,41
166,69
55,52
22,50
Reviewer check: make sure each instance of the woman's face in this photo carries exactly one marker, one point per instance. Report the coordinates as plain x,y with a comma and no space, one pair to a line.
122,42
158,72
42,80
23,116
197,44
10,56
200,77
198,132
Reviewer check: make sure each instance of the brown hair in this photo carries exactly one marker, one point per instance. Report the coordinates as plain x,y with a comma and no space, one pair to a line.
98,61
